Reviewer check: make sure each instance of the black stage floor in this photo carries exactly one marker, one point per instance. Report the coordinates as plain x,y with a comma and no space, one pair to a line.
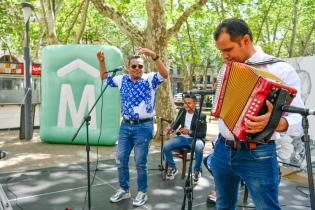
59,188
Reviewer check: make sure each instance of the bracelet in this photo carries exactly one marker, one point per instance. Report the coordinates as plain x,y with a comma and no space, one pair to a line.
156,57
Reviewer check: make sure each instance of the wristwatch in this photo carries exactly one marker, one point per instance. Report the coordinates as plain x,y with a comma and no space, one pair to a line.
156,57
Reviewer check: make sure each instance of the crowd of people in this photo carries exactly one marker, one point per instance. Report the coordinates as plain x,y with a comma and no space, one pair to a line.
231,161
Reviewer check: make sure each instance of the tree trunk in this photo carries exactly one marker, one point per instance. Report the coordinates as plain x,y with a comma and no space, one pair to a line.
39,44
187,77
295,21
73,21
205,76
49,19
264,20
83,22
223,12
274,33
281,43
187,81
307,39
155,37
155,40
192,52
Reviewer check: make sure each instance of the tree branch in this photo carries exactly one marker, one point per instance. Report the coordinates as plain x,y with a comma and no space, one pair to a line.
171,31
42,4
83,22
73,21
69,14
49,19
130,30
307,39
264,20
294,22
156,19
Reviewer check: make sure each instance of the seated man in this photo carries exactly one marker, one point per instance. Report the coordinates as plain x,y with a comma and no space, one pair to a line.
186,120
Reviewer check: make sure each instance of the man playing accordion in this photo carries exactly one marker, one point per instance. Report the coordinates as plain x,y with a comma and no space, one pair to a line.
253,162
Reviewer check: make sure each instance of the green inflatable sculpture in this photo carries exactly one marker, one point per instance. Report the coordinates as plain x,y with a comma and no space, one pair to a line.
70,86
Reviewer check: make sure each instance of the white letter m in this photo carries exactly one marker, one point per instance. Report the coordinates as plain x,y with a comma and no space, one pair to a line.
67,100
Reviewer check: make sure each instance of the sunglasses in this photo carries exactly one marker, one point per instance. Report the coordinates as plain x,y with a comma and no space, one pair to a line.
134,66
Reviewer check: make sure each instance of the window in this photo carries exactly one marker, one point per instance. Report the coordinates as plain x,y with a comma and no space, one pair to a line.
12,89
200,79
208,79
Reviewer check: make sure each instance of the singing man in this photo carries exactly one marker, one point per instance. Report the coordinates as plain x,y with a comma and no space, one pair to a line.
138,91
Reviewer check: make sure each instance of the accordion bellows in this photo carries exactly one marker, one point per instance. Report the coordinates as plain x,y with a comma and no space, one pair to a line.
243,90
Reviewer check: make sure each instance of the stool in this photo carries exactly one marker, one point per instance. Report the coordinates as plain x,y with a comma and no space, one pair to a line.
181,153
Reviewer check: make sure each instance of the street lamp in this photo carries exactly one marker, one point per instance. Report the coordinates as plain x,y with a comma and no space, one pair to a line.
28,110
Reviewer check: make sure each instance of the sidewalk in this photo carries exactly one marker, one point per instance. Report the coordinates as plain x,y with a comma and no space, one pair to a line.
64,185
26,155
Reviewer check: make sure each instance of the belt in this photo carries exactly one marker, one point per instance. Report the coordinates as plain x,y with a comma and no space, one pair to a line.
139,121
243,145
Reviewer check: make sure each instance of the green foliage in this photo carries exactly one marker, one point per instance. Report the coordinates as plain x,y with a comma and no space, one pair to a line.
12,27
272,31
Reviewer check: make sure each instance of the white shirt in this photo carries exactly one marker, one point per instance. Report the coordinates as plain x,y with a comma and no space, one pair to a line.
288,74
188,119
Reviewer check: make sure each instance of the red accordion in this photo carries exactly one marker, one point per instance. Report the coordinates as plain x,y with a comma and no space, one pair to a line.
243,90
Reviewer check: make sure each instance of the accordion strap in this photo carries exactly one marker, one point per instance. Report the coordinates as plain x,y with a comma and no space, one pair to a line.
270,61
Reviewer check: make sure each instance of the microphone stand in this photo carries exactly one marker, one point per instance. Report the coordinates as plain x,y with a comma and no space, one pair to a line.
188,190
161,168
86,121
306,140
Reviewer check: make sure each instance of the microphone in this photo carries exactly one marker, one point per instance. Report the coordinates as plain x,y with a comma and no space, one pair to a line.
200,92
298,110
163,119
119,68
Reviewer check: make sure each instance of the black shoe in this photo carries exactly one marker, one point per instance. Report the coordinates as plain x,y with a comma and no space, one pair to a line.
196,176
171,173
211,200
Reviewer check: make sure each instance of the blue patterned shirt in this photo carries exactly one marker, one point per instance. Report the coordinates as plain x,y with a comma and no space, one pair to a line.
138,98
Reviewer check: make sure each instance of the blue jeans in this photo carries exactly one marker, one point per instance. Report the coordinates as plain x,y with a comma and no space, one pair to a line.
137,137
258,168
183,142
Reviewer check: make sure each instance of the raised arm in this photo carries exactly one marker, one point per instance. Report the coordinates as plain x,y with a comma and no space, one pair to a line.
155,57
101,59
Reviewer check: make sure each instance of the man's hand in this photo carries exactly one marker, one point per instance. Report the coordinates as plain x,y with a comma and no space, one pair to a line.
184,131
159,64
146,52
100,56
256,124
167,131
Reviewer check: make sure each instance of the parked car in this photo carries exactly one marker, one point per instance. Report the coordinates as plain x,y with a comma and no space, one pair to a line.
178,99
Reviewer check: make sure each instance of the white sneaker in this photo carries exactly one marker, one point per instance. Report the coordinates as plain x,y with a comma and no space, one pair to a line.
140,199
120,195
171,173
